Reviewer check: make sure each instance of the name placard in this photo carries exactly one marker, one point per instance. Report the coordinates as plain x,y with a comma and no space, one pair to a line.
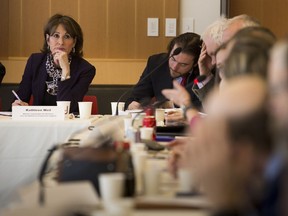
37,113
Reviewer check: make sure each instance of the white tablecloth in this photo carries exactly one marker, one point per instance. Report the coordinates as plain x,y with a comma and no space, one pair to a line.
23,147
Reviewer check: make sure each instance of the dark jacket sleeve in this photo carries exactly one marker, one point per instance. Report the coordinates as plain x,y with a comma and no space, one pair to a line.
144,89
29,77
203,92
2,72
74,89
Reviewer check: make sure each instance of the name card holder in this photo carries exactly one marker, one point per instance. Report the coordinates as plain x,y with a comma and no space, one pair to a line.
37,113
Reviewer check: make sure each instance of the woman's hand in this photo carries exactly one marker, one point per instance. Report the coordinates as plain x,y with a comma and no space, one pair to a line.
19,103
61,59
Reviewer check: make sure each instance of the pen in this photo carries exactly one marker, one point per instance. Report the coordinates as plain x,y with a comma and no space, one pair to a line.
16,95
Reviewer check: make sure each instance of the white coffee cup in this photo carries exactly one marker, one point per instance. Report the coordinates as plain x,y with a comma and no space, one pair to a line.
160,116
85,108
120,107
65,105
111,186
146,133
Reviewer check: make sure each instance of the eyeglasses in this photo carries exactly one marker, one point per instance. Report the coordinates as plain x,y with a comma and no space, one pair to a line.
57,36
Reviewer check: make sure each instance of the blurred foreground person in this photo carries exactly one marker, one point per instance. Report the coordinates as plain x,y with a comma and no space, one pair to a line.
232,147
232,154
278,90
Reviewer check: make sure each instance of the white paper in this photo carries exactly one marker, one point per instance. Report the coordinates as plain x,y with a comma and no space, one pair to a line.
37,113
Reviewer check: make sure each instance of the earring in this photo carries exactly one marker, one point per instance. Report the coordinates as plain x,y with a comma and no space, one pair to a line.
48,47
73,49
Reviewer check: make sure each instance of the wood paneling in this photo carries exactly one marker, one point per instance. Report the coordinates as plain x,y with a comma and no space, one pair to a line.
93,20
117,71
277,16
15,28
272,14
66,7
121,28
147,45
4,28
34,17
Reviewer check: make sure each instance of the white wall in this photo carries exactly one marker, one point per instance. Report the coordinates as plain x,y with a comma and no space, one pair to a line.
196,15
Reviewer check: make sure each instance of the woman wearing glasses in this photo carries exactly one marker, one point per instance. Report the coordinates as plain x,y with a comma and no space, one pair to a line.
59,72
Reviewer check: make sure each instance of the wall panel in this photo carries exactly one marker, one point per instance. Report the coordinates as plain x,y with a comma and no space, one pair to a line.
4,28
66,7
93,20
278,22
121,28
272,14
15,28
147,45
34,16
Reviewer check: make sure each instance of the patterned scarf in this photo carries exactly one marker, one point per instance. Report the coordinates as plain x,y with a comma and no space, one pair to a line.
54,73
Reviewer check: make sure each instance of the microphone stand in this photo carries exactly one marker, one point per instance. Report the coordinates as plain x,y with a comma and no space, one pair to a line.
175,52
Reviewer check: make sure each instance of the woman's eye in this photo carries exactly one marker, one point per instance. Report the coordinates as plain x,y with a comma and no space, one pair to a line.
56,36
67,37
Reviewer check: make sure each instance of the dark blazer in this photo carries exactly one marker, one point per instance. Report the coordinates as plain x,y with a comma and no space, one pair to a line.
35,76
150,86
2,72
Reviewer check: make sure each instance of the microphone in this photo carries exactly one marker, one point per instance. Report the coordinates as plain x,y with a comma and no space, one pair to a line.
175,52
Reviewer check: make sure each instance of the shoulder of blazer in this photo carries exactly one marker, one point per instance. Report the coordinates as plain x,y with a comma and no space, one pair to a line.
157,58
37,56
82,63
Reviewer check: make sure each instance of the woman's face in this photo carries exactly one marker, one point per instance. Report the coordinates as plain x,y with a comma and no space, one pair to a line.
60,40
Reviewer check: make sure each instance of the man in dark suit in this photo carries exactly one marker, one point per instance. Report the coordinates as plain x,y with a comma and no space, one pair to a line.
182,67
2,72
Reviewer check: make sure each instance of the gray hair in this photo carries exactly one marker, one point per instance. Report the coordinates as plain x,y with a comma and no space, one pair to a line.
215,30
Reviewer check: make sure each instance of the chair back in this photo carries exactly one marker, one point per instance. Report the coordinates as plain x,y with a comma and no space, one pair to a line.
93,99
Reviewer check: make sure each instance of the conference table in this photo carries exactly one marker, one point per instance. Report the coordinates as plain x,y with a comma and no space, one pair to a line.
24,145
